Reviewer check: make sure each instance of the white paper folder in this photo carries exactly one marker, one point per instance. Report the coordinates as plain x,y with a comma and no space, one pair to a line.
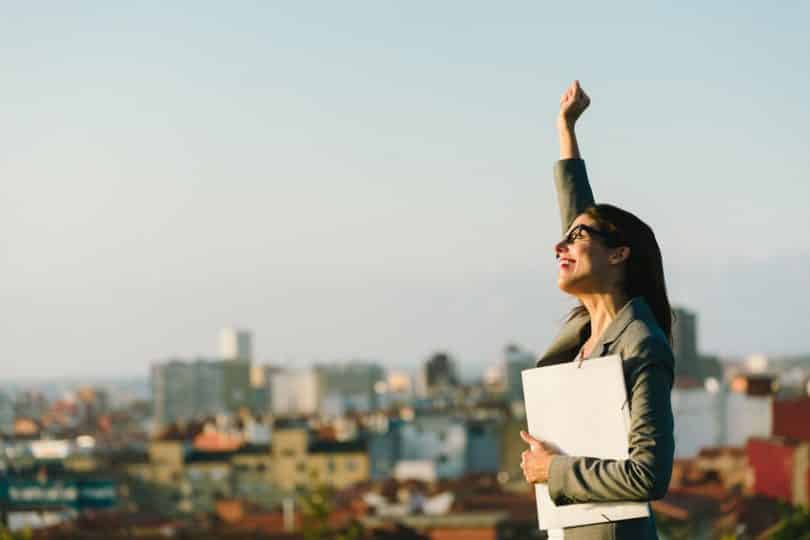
581,408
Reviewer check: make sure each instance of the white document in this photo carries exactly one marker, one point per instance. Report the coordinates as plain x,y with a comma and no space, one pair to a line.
580,407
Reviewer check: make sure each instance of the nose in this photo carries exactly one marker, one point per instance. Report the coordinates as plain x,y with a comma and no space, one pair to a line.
560,248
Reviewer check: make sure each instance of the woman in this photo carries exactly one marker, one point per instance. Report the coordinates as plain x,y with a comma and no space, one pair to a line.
609,260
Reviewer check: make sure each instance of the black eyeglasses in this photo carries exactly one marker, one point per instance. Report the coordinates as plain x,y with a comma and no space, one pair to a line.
577,232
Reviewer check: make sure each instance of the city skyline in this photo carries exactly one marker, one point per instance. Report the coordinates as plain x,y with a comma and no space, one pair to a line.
375,182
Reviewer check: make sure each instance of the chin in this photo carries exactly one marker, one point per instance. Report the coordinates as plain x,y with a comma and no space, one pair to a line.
565,286
570,286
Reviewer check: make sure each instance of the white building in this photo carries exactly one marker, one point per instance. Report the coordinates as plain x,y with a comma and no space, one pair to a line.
747,416
718,417
294,392
699,420
236,344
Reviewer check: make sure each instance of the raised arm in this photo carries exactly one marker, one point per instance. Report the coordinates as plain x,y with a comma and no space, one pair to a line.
571,179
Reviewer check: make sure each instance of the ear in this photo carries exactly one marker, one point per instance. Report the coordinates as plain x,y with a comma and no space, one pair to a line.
619,255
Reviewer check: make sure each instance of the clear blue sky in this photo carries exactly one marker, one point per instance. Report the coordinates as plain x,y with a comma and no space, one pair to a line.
373,179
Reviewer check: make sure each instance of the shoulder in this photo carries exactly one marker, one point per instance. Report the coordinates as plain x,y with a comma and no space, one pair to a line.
644,345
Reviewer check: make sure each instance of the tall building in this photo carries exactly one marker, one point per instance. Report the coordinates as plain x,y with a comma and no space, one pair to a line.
236,344
348,387
6,414
684,342
515,361
236,348
440,372
688,360
238,392
261,384
184,390
30,404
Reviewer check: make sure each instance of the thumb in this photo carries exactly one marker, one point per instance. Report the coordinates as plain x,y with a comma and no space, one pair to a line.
531,441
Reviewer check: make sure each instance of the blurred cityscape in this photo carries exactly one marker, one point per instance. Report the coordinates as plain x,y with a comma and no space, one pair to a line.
229,447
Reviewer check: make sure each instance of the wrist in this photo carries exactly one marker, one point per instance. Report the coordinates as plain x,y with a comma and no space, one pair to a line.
564,125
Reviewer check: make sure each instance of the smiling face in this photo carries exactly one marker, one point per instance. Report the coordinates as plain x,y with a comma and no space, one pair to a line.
585,264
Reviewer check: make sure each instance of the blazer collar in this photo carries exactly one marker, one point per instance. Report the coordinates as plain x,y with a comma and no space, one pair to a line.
576,331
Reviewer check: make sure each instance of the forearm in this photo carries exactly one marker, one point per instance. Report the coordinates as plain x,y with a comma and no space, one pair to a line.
645,474
569,147
588,479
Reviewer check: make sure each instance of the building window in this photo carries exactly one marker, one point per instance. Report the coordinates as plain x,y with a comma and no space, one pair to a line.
331,466
351,465
301,467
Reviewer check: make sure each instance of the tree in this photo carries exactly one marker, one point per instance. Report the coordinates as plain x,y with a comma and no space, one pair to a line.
317,507
794,526
6,534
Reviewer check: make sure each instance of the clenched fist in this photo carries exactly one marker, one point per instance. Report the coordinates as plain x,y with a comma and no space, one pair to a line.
573,103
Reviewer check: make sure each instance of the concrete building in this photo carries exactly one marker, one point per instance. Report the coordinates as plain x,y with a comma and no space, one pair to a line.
791,418
712,415
688,360
236,344
289,450
515,361
350,387
210,391
684,339
173,389
385,450
295,392
338,464
184,390
747,416
781,469
261,384
238,392
6,414
437,438
440,373
30,404
483,448
700,419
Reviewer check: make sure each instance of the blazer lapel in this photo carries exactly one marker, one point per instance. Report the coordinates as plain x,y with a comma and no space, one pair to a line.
635,308
565,346
575,332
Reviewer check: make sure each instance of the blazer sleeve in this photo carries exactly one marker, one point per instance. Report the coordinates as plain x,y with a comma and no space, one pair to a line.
574,193
645,475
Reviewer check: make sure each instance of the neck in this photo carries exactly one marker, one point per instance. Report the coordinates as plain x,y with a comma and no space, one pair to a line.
602,308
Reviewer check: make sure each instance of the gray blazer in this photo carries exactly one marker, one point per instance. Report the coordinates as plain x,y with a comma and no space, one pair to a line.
648,373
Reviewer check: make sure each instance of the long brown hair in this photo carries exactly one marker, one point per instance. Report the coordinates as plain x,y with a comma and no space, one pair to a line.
644,270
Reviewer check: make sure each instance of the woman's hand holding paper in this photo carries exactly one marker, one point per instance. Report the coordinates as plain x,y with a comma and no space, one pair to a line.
536,461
